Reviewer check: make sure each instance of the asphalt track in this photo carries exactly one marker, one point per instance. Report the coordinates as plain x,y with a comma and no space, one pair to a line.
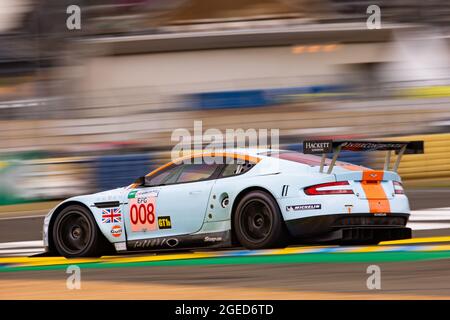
414,269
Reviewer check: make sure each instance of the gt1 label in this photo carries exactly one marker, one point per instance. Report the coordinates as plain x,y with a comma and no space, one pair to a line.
164,222
142,206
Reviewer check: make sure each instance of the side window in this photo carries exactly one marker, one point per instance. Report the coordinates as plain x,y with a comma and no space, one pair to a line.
162,177
196,172
235,169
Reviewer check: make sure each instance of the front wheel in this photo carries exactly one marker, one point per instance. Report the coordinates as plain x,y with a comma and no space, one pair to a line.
258,223
75,233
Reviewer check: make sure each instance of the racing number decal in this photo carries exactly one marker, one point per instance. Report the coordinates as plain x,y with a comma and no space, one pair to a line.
142,210
142,214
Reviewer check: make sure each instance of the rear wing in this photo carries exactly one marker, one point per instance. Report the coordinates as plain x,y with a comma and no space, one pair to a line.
329,146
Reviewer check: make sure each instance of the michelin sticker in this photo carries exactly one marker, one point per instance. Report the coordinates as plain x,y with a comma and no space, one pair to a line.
301,207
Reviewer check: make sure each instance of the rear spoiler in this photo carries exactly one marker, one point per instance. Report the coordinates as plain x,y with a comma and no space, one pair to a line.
329,146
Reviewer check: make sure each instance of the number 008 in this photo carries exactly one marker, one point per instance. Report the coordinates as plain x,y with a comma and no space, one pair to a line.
143,214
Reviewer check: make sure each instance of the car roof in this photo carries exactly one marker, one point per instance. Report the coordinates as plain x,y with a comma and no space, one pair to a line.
254,152
302,159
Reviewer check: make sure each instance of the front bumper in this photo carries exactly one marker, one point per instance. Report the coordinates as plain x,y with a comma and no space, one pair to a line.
350,228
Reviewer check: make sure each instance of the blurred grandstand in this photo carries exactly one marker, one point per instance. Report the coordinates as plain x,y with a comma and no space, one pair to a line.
92,109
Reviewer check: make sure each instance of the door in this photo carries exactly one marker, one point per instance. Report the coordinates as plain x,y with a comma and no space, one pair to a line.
172,202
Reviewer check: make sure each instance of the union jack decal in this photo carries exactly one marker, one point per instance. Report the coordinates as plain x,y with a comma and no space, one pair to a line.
112,215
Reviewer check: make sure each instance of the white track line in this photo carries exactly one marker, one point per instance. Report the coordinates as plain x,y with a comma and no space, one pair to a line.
430,219
22,244
25,255
21,248
429,215
428,226
23,217
20,251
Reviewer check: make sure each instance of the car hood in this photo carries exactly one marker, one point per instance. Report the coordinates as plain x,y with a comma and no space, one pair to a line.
109,195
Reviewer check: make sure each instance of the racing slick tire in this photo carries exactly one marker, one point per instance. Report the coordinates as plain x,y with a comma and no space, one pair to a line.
76,234
258,223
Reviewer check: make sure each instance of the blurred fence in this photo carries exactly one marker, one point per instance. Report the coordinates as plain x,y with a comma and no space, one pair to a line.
263,98
154,128
56,178
431,169
114,17
121,170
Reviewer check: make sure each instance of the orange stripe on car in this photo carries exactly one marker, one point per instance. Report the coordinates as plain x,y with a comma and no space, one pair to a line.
375,194
373,175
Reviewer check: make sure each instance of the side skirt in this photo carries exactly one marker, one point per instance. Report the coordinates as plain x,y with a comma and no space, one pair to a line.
191,241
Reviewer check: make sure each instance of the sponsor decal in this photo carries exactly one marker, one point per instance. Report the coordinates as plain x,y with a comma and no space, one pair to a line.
371,146
300,207
132,194
212,239
188,241
120,246
116,231
164,222
143,193
157,242
111,215
317,146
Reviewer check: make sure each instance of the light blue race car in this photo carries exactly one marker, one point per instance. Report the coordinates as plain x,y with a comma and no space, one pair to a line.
251,198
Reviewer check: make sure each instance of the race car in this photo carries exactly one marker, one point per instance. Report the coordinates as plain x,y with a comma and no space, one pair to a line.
252,198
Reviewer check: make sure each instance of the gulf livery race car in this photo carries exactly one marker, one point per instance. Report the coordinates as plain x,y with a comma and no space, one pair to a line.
259,199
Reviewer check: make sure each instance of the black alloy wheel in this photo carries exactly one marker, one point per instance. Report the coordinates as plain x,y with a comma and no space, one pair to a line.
75,233
258,223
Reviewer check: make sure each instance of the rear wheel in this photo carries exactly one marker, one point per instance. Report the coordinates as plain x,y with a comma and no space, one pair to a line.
75,233
258,223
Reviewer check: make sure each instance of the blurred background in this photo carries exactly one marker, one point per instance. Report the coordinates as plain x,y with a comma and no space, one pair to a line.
92,109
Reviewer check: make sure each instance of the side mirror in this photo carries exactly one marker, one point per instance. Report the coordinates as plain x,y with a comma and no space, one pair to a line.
140,181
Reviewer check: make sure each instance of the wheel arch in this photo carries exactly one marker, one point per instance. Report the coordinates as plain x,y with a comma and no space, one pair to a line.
238,198
56,212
